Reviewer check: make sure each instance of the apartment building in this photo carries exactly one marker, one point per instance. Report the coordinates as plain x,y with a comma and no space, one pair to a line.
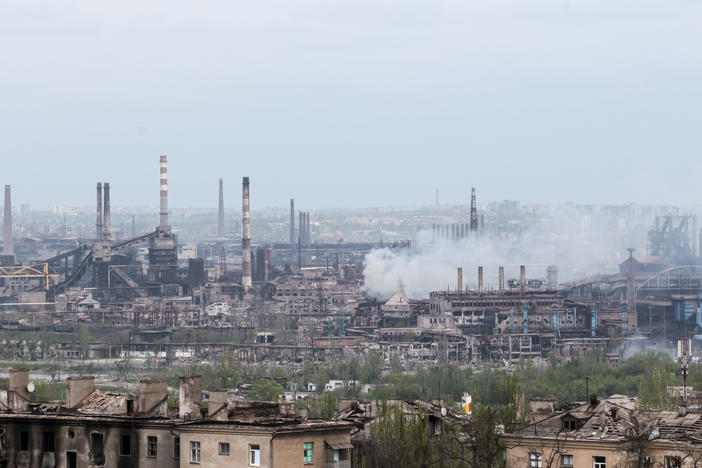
604,434
94,428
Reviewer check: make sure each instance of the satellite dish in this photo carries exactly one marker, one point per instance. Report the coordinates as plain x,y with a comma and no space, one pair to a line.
443,411
30,387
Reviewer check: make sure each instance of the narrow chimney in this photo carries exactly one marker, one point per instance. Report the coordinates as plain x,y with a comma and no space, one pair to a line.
502,278
292,223
217,405
246,238
153,397
98,223
163,212
220,219
459,287
106,219
18,394
190,397
480,279
8,246
522,278
299,253
77,389
473,211
267,263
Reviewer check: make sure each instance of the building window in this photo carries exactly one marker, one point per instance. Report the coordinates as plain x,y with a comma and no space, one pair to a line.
567,461
254,455
194,451
534,460
224,448
570,424
97,448
48,441
151,446
673,462
24,440
125,445
599,462
176,447
307,449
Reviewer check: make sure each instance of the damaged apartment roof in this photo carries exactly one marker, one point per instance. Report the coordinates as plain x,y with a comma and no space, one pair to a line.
608,421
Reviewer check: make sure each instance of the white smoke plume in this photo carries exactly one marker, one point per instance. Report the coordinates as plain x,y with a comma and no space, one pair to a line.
431,265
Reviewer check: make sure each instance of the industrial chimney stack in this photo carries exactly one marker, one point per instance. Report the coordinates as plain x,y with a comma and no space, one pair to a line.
106,219
292,223
164,194
246,238
8,248
98,223
220,226
473,211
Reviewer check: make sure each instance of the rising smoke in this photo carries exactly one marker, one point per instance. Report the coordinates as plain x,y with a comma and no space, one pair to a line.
431,264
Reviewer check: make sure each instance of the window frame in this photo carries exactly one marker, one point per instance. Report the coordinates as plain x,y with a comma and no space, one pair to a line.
599,461
221,445
152,442
672,461
176,447
195,452
308,446
567,465
535,460
254,455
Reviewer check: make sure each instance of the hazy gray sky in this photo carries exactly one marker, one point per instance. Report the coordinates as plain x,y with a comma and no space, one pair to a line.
352,102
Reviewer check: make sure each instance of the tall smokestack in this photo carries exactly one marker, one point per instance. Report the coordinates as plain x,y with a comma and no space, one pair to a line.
480,279
220,219
246,238
164,193
522,278
220,226
106,219
8,246
473,211
459,287
292,222
502,278
98,223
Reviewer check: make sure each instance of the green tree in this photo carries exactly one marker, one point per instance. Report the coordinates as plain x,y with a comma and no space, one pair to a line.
653,392
84,339
397,440
266,390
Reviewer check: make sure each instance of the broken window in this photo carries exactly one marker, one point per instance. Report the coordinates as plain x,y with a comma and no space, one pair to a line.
24,440
254,455
570,424
125,445
673,462
49,441
151,446
97,448
307,450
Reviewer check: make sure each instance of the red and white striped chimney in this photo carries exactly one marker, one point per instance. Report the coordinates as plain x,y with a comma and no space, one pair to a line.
164,193
246,238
